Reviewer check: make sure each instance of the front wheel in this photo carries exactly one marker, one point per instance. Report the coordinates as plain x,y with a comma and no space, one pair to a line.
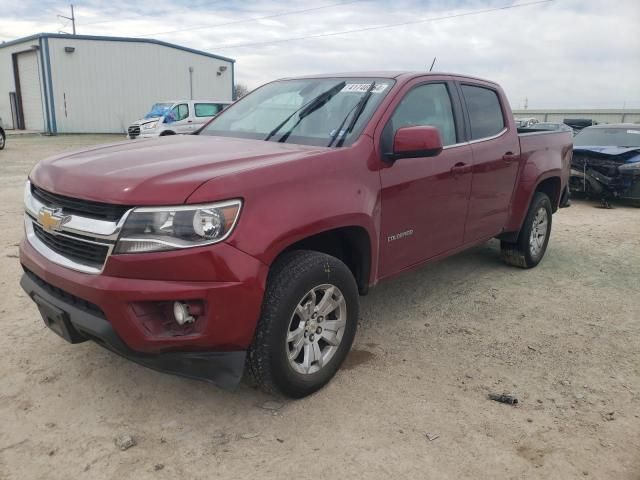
533,239
308,323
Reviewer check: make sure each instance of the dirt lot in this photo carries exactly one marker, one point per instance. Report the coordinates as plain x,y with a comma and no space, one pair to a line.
564,337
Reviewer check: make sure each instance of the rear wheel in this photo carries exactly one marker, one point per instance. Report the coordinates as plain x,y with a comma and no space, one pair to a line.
533,239
3,139
308,322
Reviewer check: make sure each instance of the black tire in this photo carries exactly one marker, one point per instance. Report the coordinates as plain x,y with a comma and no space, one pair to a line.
290,279
3,139
166,133
521,253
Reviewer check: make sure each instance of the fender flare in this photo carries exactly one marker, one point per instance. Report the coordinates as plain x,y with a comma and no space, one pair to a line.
281,244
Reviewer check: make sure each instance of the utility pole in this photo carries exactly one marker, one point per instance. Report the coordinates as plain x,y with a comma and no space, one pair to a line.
72,18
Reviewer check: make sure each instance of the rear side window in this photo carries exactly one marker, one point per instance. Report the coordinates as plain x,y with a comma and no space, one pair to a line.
485,113
207,109
427,105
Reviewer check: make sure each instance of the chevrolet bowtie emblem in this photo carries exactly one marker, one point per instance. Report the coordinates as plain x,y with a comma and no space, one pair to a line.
51,219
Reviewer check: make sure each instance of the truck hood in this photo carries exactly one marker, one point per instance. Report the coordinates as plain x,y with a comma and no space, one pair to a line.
162,171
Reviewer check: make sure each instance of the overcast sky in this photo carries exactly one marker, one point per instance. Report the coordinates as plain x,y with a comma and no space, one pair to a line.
560,53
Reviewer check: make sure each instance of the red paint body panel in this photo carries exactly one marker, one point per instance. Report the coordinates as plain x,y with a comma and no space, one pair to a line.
411,139
232,293
464,195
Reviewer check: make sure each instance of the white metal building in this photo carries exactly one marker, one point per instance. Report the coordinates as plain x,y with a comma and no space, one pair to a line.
59,83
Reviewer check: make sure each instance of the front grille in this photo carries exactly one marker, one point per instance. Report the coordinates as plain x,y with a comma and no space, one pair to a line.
65,296
84,208
74,249
134,130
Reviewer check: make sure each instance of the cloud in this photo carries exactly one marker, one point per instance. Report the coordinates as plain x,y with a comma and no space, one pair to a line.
565,53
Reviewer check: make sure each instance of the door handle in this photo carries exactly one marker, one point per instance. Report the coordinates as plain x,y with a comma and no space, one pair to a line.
509,157
189,121
459,168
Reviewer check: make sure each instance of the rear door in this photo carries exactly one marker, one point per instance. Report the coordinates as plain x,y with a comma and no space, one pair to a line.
424,200
496,156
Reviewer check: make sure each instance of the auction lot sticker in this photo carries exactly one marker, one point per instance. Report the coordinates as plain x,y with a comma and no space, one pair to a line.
363,87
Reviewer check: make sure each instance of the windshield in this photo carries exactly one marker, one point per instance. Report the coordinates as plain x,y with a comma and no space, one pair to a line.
158,110
315,111
608,137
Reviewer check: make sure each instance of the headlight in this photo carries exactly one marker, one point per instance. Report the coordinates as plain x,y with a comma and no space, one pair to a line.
632,168
149,126
153,229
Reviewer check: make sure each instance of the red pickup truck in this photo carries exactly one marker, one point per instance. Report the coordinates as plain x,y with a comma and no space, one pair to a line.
249,242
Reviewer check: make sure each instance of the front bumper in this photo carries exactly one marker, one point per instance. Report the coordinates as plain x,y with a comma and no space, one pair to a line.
82,322
130,291
143,134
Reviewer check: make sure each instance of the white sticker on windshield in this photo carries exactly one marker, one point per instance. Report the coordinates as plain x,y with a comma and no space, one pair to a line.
637,132
363,87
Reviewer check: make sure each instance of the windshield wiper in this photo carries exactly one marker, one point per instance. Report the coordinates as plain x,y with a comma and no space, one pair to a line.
306,109
358,108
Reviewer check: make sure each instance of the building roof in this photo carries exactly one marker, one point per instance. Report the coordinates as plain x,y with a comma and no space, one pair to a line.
114,39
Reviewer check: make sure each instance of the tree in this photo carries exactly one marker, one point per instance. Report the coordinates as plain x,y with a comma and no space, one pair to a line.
240,90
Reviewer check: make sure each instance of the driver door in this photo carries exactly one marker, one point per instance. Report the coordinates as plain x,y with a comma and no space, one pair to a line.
425,200
181,120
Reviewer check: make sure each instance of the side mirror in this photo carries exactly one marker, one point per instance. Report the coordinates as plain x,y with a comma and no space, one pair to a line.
414,142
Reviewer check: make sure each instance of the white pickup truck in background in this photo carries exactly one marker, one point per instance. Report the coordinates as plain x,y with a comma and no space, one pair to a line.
178,117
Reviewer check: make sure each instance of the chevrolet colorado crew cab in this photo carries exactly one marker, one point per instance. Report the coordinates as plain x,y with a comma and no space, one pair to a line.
249,242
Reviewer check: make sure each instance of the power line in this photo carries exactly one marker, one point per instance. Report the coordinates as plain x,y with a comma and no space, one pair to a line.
119,19
134,17
253,19
243,20
380,27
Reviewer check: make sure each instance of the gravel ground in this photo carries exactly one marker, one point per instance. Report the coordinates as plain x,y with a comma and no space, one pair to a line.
564,337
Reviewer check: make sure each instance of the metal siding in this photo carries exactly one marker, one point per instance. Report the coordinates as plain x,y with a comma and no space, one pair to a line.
103,86
44,89
6,78
31,90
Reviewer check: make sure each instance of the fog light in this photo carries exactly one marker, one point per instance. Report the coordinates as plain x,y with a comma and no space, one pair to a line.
181,313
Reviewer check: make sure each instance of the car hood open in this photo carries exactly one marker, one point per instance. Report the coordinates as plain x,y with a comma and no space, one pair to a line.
162,171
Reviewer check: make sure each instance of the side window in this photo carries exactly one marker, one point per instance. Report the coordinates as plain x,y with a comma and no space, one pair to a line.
485,113
427,105
180,112
206,109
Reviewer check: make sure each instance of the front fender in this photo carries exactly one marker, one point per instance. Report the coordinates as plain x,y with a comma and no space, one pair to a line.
287,202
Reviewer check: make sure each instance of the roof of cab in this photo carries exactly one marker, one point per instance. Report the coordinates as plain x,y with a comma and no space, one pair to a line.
392,74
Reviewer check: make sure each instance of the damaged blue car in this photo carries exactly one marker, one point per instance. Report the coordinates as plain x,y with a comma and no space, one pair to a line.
606,163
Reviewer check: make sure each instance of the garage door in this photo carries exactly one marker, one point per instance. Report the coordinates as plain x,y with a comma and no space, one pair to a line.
29,72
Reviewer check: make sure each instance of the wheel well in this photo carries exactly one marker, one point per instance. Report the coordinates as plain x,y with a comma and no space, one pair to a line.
551,187
349,244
